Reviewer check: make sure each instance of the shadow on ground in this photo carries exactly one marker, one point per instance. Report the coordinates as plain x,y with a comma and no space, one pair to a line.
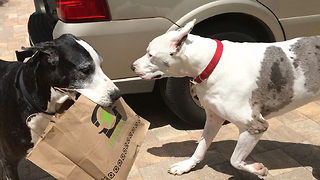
151,107
273,154
3,1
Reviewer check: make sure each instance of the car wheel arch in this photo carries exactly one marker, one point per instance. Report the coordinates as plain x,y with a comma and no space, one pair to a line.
254,10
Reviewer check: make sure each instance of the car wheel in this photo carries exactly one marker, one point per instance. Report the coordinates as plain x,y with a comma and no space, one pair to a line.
39,29
179,93
180,96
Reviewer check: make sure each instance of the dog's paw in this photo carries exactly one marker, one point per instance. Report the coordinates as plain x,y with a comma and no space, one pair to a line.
260,169
181,167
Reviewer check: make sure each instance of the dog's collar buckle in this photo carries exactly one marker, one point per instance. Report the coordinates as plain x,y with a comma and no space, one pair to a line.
192,81
211,66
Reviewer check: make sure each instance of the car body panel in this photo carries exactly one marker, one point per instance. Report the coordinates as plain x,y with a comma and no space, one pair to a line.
135,23
298,18
183,11
235,6
292,8
119,43
127,9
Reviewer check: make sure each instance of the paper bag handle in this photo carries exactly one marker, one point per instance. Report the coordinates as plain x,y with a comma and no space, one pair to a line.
28,120
63,90
67,92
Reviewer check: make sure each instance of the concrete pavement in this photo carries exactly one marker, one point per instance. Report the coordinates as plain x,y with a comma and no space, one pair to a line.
290,148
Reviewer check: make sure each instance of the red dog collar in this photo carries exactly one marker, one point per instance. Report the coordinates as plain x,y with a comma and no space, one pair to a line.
212,64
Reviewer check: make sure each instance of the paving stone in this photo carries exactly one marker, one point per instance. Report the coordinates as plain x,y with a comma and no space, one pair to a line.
274,122
135,178
209,172
134,173
151,152
297,174
226,148
198,131
14,18
307,155
283,134
213,157
311,110
227,171
276,137
276,161
167,132
227,132
160,172
308,129
181,149
292,116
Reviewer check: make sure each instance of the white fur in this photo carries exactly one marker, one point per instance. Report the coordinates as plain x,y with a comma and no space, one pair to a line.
39,123
226,93
100,88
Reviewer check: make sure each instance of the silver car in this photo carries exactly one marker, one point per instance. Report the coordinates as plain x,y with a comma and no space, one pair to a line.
120,31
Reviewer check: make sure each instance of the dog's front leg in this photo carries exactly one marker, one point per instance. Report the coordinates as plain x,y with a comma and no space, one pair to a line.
246,142
212,126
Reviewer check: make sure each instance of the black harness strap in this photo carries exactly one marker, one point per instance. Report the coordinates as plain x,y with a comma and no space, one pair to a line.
27,96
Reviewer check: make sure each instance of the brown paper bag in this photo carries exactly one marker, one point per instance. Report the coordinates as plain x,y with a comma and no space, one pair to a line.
88,142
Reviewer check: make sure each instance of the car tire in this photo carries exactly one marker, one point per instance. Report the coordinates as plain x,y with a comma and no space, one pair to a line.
176,92
39,29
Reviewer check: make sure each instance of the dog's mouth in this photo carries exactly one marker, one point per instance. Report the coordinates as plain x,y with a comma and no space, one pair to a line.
150,77
157,77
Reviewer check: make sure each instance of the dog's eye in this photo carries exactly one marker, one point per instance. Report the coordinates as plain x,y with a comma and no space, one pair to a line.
85,70
149,55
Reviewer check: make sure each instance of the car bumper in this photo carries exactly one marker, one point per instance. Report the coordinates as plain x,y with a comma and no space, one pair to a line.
119,43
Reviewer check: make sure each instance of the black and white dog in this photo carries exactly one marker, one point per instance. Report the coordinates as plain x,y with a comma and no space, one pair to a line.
27,88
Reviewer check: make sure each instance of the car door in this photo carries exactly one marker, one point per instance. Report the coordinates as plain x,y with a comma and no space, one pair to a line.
298,18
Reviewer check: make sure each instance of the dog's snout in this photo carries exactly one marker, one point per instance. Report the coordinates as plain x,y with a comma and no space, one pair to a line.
115,95
133,68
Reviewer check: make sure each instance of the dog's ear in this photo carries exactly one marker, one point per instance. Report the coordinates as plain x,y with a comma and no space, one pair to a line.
181,37
47,48
22,55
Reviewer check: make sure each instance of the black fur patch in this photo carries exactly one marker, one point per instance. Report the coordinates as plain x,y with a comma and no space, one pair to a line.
275,83
307,51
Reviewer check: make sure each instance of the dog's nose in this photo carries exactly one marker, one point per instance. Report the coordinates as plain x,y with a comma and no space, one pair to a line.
132,67
115,95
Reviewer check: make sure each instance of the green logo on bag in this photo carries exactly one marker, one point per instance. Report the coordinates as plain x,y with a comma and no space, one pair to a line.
108,124
106,118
